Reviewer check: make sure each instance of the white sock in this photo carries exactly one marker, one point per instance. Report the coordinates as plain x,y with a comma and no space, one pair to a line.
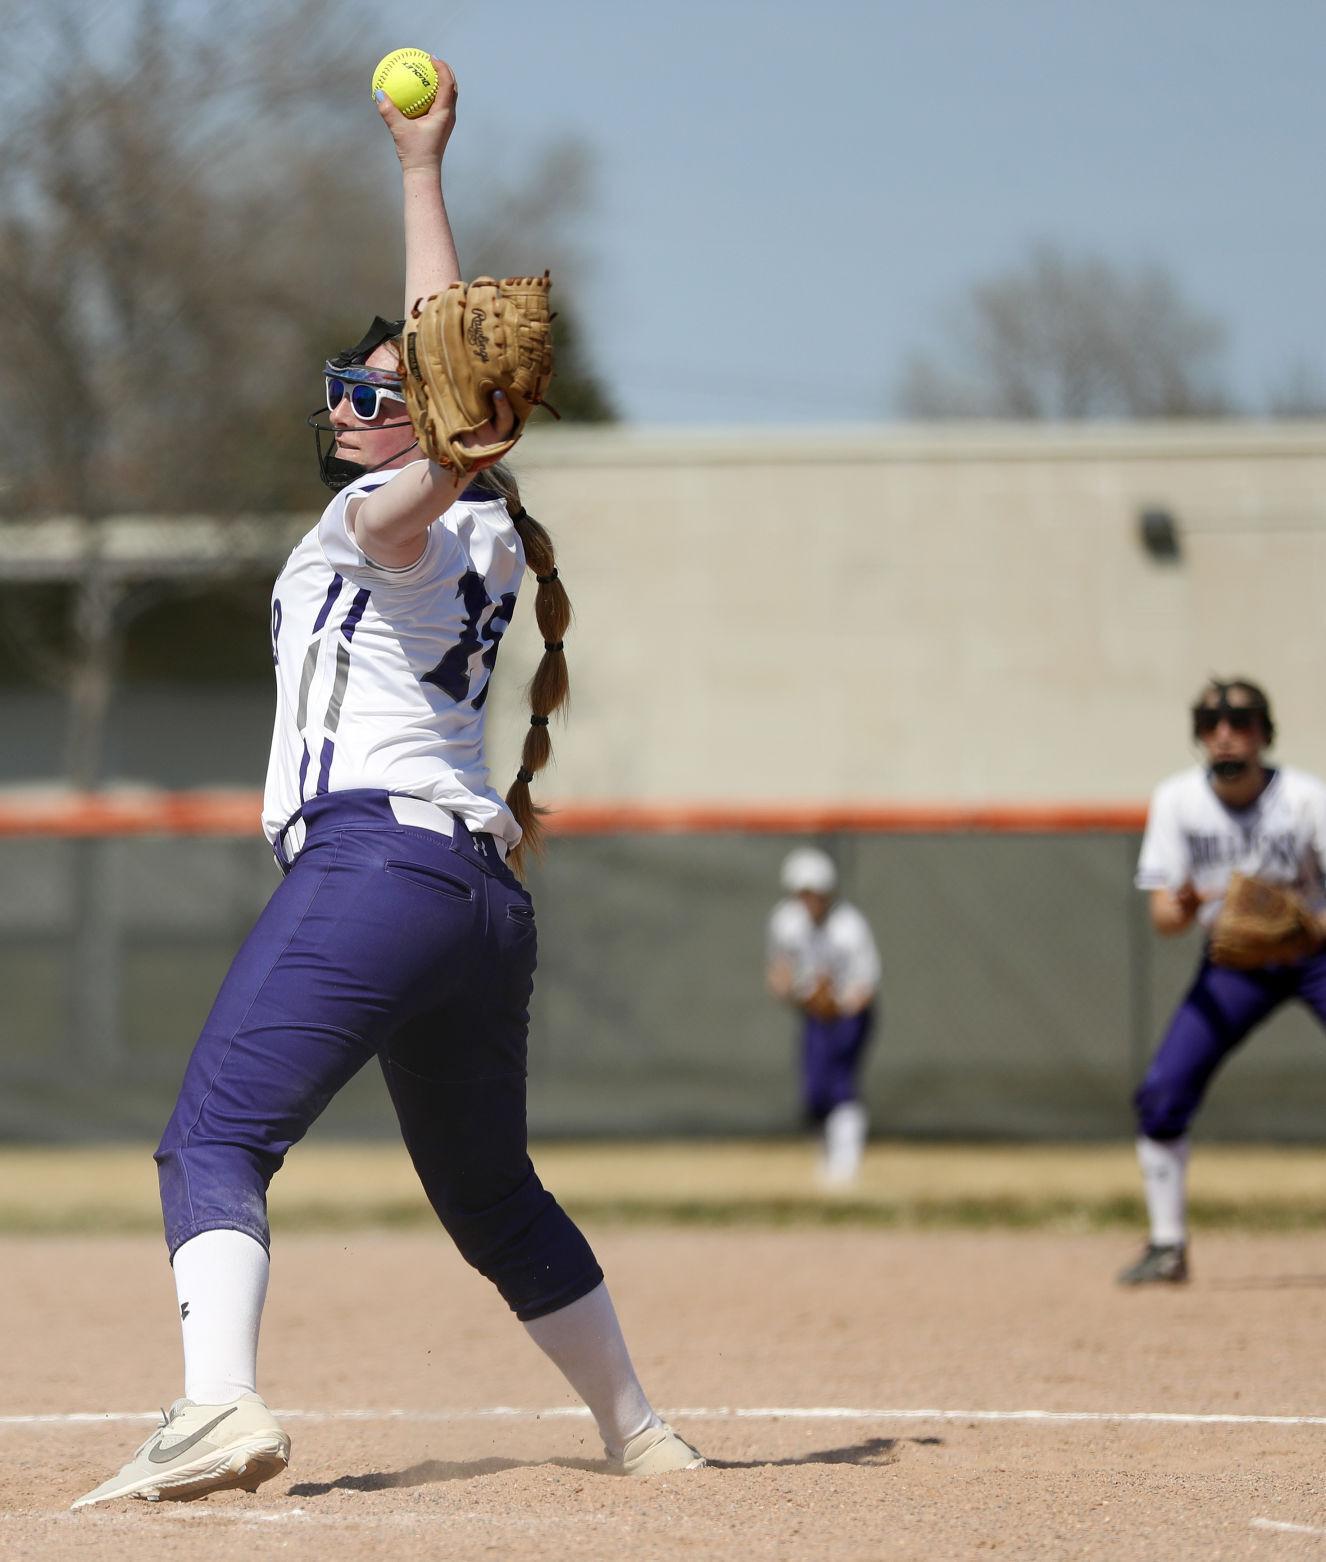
844,1141
584,1341
221,1283
1164,1177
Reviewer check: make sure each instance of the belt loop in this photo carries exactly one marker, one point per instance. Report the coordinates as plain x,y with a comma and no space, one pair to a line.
483,848
284,860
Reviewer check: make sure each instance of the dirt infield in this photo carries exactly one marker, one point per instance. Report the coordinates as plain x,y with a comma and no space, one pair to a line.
855,1390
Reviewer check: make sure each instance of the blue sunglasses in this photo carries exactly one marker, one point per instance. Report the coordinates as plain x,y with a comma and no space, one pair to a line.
365,400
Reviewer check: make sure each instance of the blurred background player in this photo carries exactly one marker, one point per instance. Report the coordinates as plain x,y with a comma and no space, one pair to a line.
822,959
1232,813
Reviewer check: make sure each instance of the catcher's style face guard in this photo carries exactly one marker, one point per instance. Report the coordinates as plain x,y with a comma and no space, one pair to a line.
1247,714
349,367
1215,706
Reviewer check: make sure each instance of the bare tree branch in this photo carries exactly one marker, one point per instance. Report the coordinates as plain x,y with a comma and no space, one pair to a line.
1299,393
1071,336
182,246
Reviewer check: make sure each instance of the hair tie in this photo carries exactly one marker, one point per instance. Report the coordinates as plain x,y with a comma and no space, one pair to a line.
553,645
547,580
522,514
524,776
538,721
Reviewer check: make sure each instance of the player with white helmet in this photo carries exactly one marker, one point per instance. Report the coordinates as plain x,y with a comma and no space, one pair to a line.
822,959
1233,813
399,932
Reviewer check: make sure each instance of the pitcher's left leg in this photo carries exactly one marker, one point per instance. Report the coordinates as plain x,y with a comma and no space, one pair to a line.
457,1079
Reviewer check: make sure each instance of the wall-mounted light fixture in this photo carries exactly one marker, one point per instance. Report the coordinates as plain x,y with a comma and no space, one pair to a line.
1159,534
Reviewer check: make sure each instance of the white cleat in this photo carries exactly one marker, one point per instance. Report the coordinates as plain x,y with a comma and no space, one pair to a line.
657,1451
201,1449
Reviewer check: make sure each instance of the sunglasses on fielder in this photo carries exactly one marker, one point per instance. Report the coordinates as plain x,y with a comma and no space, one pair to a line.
1242,718
365,399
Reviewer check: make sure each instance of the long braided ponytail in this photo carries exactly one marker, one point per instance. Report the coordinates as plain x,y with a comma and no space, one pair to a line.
550,686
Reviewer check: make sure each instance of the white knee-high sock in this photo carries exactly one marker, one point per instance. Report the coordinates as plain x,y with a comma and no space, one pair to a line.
1164,1177
584,1341
221,1283
844,1141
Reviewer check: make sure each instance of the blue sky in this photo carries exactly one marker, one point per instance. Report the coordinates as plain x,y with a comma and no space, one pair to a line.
814,184
807,189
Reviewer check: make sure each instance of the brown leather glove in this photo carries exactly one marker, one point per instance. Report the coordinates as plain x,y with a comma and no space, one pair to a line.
1262,924
821,1004
466,342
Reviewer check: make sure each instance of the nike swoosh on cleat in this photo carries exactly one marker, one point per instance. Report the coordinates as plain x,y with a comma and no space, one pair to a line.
159,1455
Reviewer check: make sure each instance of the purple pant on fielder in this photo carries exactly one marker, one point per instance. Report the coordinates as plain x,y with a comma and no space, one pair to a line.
831,1052
402,944
1217,1013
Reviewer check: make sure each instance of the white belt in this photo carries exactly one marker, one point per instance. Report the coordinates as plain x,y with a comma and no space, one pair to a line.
420,814
415,812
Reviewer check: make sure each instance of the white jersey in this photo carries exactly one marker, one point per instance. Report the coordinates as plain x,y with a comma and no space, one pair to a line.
841,948
382,674
1192,836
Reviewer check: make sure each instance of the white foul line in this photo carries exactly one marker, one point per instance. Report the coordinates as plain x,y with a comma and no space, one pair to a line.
1287,1529
717,1413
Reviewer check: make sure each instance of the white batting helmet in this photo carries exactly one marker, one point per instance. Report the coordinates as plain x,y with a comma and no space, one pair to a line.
809,869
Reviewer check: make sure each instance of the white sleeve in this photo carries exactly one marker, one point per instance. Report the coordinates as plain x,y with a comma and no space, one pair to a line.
780,940
861,967
492,544
1164,862
341,548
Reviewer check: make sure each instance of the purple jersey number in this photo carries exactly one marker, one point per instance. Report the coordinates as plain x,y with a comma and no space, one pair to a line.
486,621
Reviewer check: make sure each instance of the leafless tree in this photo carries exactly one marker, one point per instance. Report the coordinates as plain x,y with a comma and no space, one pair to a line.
1299,393
1073,336
183,242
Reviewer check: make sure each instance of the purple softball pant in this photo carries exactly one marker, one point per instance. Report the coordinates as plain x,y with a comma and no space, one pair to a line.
1217,1013
412,947
831,1053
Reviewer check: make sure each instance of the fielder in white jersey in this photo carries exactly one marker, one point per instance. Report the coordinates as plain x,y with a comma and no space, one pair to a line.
399,933
1235,813
821,958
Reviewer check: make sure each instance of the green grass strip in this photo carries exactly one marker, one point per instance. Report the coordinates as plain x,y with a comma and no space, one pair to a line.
942,1214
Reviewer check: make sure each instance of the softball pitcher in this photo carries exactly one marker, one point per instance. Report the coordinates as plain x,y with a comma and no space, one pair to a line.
822,959
399,931
1214,831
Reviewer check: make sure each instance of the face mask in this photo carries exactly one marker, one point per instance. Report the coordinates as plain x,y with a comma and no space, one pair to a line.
334,470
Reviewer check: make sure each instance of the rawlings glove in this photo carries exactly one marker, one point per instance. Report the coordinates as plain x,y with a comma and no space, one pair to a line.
463,344
1262,924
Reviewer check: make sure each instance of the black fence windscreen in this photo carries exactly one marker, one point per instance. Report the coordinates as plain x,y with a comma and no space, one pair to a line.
1023,989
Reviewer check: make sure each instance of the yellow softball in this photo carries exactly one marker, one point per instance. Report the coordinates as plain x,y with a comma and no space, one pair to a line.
409,79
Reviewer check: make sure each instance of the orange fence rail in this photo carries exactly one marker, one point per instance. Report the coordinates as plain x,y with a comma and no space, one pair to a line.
70,815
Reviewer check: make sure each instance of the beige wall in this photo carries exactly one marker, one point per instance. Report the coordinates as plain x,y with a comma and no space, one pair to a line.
912,615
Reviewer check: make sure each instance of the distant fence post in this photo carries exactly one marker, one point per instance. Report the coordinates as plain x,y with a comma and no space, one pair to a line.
95,987
1139,972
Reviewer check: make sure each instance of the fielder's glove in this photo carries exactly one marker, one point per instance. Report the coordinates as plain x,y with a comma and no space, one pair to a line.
463,344
1262,924
820,1004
